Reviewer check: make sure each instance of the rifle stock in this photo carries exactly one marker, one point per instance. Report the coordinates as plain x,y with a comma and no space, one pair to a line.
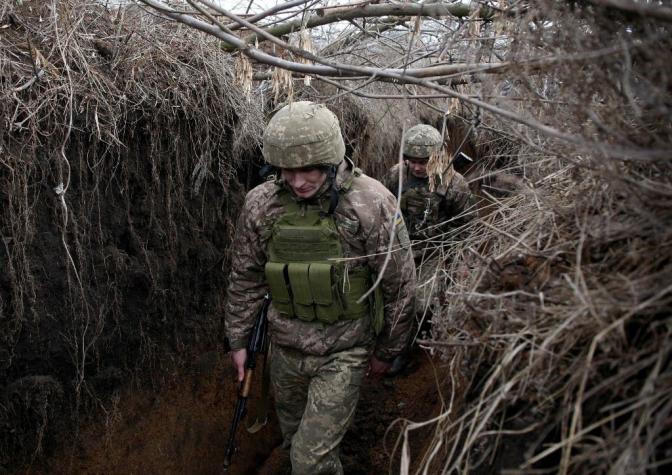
255,345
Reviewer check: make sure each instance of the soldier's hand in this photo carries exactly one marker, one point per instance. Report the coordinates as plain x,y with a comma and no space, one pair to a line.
238,358
378,368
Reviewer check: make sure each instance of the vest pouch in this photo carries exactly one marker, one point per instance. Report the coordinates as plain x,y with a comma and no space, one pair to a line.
413,206
416,205
278,284
300,285
352,287
304,243
327,308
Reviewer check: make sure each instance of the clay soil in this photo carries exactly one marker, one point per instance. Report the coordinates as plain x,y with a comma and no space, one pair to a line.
182,427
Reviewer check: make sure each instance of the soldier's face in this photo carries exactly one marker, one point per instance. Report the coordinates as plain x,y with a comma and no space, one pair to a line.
417,167
304,182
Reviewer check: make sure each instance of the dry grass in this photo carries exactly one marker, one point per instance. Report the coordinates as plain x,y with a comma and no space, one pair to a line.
558,306
560,289
119,141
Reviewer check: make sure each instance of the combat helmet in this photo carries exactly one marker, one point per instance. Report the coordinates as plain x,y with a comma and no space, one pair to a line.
303,134
421,141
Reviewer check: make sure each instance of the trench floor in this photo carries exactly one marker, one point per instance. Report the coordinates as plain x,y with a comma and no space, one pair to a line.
182,427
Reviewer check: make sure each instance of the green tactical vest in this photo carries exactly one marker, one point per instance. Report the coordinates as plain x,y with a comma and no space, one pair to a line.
306,277
420,208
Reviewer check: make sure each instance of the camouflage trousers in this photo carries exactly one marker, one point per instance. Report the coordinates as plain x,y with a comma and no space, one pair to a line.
315,400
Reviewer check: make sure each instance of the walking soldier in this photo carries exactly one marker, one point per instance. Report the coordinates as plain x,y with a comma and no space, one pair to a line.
316,237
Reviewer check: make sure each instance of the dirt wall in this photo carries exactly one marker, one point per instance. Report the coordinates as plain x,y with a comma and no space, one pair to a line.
119,148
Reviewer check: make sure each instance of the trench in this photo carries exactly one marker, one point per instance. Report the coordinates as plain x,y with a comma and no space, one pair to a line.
182,426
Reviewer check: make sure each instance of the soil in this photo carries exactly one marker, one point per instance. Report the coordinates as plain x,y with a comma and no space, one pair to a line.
183,426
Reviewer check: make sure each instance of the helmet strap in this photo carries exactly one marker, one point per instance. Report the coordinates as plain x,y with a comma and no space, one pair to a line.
266,170
333,198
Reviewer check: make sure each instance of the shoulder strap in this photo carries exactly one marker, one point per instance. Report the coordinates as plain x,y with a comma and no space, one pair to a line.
347,183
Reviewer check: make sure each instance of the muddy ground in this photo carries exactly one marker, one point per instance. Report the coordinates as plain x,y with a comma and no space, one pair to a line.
182,426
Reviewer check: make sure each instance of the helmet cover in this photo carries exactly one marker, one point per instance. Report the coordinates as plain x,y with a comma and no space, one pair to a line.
421,140
303,134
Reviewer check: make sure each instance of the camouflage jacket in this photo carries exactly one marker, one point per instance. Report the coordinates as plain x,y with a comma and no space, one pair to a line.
363,217
426,213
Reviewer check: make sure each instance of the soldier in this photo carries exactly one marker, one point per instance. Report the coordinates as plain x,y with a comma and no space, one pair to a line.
427,213
316,237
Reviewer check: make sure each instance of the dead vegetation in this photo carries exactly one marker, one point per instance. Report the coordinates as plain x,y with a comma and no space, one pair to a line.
120,130
125,147
119,143
559,300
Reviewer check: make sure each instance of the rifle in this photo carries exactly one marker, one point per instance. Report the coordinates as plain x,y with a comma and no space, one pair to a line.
255,345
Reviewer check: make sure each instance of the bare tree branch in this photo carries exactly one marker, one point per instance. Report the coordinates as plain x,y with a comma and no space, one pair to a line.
408,76
266,13
326,16
374,30
326,68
